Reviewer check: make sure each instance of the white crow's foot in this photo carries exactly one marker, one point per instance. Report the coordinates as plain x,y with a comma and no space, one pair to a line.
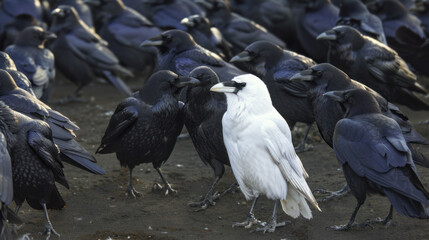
132,192
204,204
346,227
166,189
271,226
303,147
49,230
250,221
337,194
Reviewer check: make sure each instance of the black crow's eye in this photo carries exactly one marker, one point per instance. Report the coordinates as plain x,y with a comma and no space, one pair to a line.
317,73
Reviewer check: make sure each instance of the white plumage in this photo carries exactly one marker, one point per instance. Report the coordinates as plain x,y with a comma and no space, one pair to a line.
259,145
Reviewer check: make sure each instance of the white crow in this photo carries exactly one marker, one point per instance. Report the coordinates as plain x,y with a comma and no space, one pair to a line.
259,145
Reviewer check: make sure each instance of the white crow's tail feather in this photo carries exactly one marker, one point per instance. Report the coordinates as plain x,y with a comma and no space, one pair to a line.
295,204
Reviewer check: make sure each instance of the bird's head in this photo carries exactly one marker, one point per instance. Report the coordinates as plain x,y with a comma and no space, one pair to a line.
258,52
355,101
34,36
342,34
387,9
172,39
205,75
110,8
6,62
171,82
62,17
196,21
320,75
7,83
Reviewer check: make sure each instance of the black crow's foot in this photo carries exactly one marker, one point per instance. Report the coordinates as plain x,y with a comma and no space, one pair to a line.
167,188
303,147
49,230
423,122
271,226
250,221
337,194
204,204
386,222
132,192
183,136
346,227
232,189
15,228
71,99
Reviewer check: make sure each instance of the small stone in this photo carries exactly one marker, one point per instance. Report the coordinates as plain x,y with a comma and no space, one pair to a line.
164,232
206,228
149,228
179,165
220,218
78,218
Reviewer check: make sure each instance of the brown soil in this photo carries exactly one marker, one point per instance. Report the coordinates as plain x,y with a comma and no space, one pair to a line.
98,209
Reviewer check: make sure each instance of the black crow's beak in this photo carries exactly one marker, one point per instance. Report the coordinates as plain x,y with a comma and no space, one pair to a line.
155,41
244,56
49,36
306,75
57,12
186,81
336,95
329,35
187,22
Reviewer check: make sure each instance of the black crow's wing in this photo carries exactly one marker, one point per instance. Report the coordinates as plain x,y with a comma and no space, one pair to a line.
6,182
381,158
24,104
126,114
287,70
48,153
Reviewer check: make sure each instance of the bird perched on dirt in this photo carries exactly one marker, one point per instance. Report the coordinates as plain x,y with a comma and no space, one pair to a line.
374,64
278,66
179,53
62,128
84,54
259,145
375,157
207,36
34,60
125,29
203,112
325,77
144,127
7,64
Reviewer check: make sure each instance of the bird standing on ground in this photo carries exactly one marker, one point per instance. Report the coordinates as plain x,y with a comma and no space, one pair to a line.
375,157
144,127
203,112
34,60
259,145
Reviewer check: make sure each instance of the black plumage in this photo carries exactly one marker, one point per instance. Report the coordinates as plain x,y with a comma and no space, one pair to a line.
312,18
420,9
207,36
239,31
203,112
82,7
276,67
62,128
375,65
375,157
144,127
34,60
10,9
354,13
124,29
179,53
7,64
84,54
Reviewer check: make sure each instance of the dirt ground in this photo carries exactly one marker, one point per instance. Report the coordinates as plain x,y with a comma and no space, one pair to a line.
98,209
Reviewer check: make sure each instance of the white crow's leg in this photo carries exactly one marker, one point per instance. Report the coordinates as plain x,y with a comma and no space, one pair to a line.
272,225
251,220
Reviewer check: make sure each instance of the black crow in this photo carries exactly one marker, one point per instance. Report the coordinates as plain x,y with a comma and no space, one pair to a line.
179,53
84,54
207,36
354,13
323,78
34,60
82,7
62,128
312,17
7,64
203,112
12,29
36,166
420,9
239,31
374,64
9,9
375,157
259,145
144,127
125,29
279,65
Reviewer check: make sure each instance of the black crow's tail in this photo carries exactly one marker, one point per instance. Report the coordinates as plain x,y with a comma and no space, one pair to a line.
418,157
117,82
405,205
410,100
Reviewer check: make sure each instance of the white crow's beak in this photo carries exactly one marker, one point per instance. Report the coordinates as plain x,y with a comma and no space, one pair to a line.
220,87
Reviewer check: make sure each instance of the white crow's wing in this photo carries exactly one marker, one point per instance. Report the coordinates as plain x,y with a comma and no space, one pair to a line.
283,154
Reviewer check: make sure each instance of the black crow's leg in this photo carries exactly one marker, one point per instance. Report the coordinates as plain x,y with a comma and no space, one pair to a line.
251,220
167,185
17,209
351,221
301,147
48,225
15,227
271,226
131,191
75,97
232,189
209,199
337,194
385,221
